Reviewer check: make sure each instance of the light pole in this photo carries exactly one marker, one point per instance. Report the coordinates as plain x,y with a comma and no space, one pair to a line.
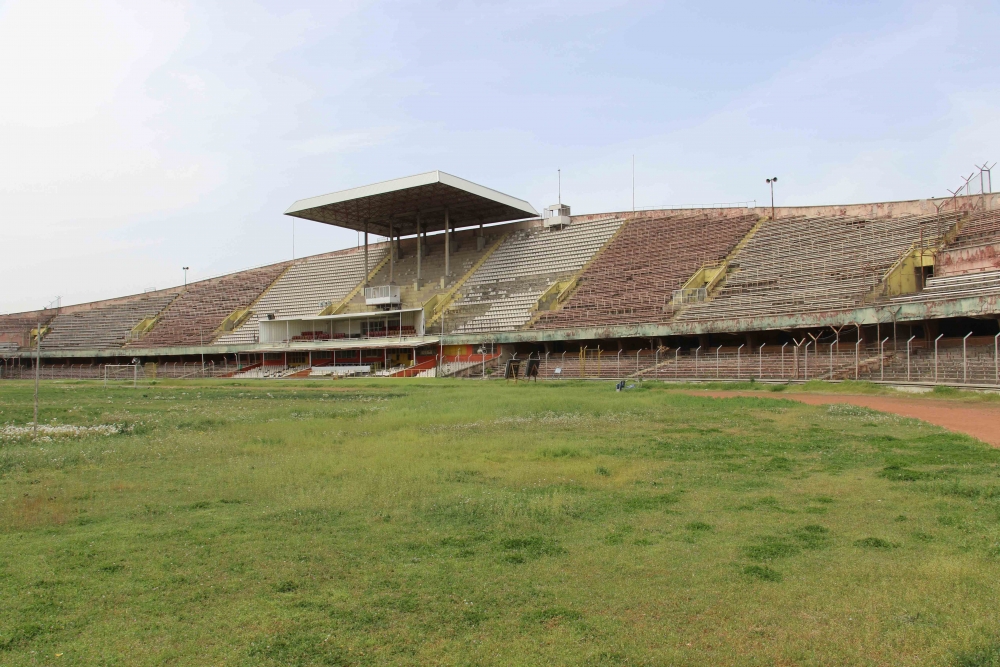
185,275
771,182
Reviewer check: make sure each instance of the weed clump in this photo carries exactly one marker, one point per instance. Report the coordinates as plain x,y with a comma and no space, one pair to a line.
286,586
550,614
985,656
898,473
770,548
519,550
762,573
812,536
874,543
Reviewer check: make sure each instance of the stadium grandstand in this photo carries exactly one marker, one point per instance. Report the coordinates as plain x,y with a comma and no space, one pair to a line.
464,279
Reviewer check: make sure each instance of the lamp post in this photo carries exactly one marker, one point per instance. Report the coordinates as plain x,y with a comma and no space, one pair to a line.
771,182
185,275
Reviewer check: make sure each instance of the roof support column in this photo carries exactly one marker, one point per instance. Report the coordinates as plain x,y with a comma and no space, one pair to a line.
392,253
366,253
447,246
420,253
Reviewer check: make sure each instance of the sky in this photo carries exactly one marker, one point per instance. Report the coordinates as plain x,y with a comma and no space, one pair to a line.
140,137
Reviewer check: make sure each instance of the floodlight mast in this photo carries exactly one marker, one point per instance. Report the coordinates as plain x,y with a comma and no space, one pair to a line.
771,182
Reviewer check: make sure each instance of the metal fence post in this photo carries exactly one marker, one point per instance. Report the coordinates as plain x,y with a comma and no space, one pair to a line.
807,360
831,361
881,358
696,362
738,361
965,364
857,359
783,361
936,357
996,358
619,363
760,361
677,361
908,357
717,362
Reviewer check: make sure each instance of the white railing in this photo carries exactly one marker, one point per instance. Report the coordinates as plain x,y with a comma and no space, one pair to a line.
690,295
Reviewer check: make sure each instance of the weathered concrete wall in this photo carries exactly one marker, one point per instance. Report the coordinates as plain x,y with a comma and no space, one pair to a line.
985,257
888,209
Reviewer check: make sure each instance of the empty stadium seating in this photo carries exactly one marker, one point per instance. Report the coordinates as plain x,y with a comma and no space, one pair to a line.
797,265
633,280
986,283
15,329
981,227
432,265
501,294
308,286
194,317
604,271
105,326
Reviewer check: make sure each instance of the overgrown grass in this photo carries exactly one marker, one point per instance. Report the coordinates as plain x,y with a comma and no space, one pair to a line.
450,522
842,387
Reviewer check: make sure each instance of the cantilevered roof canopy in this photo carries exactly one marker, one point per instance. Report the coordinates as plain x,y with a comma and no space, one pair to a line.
400,200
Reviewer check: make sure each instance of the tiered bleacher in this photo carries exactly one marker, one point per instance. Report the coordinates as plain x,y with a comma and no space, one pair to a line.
796,265
194,317
501,294
985,283
106,325
464,255
15,329
982,227
633,280
307,287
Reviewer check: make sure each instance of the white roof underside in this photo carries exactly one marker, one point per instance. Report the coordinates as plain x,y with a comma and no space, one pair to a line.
401,199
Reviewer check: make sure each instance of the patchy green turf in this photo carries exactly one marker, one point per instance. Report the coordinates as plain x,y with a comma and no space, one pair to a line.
450,522
850,387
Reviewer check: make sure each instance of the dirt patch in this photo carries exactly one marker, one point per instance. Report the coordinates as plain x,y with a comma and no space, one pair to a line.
979,421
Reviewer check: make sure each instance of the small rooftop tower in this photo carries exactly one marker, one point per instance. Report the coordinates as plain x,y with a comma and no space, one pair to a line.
556,216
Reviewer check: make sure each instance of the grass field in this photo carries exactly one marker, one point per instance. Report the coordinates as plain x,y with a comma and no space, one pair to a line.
470,523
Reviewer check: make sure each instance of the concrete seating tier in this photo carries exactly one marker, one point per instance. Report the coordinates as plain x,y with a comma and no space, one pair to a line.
15,329
464,256
501,294
504,312
633,280
104,326
980,228
193,317
796,265
307,286
986,283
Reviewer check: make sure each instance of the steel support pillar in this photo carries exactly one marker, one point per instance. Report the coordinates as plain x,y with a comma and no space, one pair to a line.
447,247
392,253
420,253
